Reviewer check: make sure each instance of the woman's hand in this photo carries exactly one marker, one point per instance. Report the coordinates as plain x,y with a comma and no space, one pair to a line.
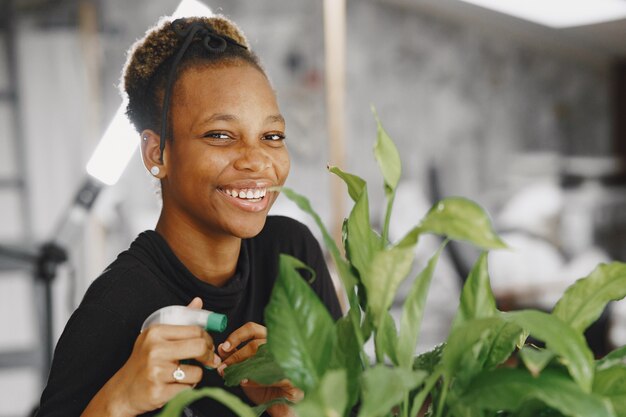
146,381
251,336
260,394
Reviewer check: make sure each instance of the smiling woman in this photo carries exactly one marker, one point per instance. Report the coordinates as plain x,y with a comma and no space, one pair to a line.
234,142
212,133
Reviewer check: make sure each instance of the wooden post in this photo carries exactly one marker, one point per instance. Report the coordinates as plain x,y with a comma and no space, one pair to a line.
335,53
618,95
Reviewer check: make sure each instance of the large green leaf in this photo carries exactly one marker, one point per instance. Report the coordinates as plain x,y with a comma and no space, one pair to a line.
329,399
477,299
386,339
561,339
356,185
413,311
388,158
509,389
461,219
611,383
500,344
301,333
361,242
386,271
584,301
261,368
175,406
464,353
411,238
385,387
477,345
346,357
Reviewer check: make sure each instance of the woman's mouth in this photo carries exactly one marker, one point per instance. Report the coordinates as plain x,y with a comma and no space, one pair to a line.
248,194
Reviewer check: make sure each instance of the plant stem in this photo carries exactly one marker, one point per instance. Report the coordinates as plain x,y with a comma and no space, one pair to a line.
385,236
405,405
421,397
442,398
359,337
380,356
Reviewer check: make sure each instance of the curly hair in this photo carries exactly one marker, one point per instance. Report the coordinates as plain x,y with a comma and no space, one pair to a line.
150,59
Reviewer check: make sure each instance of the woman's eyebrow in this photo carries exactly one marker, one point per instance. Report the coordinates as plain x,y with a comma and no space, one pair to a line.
276,118
225,117
220,117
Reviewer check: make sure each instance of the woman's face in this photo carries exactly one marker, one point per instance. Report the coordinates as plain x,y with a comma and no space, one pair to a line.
228,149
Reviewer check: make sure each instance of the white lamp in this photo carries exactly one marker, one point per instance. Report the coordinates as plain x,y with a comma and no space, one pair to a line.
119,142
192,8
117,146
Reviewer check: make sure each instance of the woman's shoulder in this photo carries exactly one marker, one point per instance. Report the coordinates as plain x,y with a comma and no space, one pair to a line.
118,277
126,288
131,273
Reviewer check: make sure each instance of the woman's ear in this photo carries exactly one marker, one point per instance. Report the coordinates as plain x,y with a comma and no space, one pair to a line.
151,154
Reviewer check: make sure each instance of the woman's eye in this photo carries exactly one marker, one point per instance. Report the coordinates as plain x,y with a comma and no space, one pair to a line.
274,137
217,135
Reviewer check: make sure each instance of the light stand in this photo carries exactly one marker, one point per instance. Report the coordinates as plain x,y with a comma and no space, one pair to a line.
46,259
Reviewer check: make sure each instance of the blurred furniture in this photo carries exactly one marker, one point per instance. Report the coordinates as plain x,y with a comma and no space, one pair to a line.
539,269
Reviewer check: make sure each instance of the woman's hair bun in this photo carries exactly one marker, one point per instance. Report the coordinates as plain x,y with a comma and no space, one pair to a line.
143,75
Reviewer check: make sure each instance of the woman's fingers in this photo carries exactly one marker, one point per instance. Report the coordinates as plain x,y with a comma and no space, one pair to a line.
284,383
244,353
183,342
245,333
196,303
178,350
210,358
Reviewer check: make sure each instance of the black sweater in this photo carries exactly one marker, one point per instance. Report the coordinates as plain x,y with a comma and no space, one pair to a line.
100,334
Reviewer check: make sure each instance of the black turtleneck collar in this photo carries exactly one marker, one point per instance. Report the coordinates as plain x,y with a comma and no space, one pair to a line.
153,250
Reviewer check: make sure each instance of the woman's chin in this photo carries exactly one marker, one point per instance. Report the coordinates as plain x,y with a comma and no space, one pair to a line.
249,229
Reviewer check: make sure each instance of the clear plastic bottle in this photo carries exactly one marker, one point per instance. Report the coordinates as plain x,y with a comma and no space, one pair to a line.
186,316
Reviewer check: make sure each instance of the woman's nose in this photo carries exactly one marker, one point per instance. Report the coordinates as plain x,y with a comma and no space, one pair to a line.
252,158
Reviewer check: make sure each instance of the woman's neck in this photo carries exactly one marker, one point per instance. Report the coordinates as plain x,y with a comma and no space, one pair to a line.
212,259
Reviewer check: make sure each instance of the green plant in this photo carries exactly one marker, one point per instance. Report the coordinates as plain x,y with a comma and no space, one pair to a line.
484,369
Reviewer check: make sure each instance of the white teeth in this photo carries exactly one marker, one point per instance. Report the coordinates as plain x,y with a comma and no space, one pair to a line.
247,193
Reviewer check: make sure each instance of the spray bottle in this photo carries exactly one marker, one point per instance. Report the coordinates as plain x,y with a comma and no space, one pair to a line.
186,316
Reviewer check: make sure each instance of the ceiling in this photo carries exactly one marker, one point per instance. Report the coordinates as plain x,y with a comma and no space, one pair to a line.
597,45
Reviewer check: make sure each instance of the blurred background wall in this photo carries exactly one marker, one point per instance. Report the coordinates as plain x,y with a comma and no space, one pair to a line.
522,118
